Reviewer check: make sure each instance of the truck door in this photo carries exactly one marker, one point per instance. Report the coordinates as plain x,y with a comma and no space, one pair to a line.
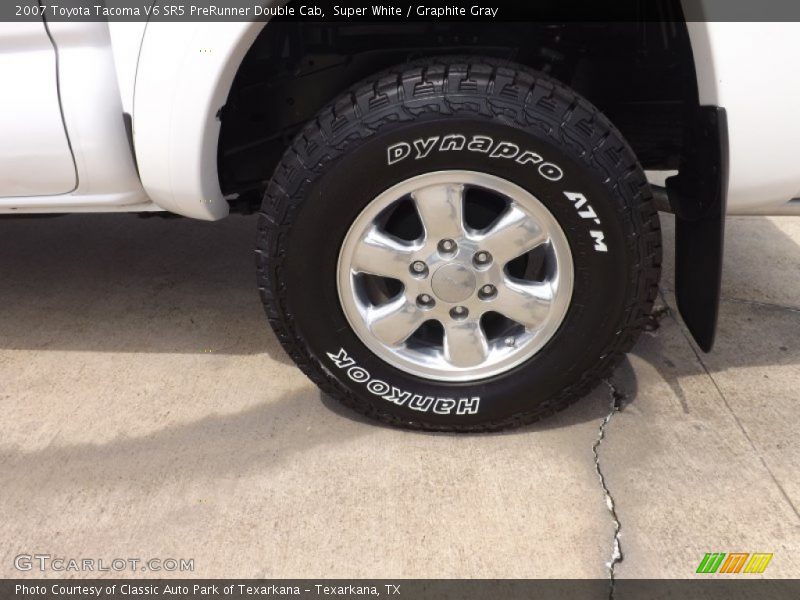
35,155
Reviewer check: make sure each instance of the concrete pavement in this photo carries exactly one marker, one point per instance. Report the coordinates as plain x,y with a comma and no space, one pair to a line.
150,413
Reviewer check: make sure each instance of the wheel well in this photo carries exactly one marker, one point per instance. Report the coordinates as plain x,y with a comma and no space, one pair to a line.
640,74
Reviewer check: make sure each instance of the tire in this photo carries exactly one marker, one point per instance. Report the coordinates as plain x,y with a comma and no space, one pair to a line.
569,157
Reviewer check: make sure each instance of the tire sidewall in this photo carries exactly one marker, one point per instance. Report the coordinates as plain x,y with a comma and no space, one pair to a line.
331,198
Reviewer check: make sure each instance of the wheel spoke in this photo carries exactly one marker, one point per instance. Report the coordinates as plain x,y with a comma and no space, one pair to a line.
514,234
526,303
394,322
381,254
454,272
441,210
465,343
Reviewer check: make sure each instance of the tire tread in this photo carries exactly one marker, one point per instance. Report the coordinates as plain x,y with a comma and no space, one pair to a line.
504,91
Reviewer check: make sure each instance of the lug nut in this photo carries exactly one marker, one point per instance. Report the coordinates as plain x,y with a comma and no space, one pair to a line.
447,246
419,268
425,301
487,292
482,258
459,312
510,342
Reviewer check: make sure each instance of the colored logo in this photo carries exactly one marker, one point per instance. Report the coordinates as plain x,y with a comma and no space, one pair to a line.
735,562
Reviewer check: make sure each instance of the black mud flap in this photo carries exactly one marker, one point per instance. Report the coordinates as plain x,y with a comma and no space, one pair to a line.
698,195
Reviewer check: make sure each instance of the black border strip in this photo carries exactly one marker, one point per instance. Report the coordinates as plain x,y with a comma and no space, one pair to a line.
411,10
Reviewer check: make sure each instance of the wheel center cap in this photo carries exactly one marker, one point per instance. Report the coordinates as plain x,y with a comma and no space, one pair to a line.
453,283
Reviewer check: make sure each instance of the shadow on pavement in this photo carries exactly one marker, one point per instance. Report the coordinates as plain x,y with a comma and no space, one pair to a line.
119,283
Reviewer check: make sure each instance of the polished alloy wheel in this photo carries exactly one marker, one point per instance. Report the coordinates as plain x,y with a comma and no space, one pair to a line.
455,275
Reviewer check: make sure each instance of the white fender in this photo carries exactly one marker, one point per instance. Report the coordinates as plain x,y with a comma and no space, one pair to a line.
748,69
184,74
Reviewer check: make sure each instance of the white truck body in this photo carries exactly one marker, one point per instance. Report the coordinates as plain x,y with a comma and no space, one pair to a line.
173,78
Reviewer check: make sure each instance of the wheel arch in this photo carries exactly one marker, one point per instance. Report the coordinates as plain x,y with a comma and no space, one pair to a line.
184,75
643,79
183,78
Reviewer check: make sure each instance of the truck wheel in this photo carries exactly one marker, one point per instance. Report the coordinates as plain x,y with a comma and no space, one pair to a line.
458,245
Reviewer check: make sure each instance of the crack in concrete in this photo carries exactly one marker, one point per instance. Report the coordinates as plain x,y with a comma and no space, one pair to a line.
742,428
727,404
616,399
759,304
734,300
